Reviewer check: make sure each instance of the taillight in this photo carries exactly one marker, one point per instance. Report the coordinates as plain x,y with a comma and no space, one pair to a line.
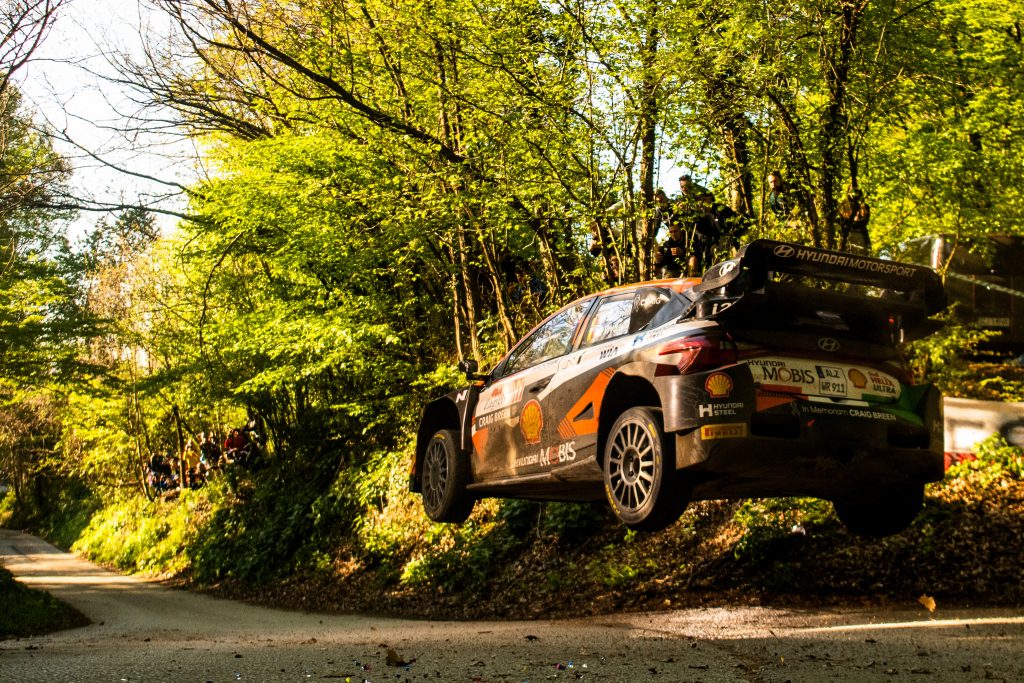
703,352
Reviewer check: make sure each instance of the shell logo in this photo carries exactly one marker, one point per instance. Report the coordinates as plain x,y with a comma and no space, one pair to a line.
531,422
718,385
858,378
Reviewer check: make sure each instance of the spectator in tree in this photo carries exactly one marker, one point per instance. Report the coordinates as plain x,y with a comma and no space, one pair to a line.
671,255
597,248
704,234
691,197
662,209
731,227
854,214
778,204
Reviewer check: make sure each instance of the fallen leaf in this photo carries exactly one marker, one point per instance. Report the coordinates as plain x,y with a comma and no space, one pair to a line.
393,659
928,602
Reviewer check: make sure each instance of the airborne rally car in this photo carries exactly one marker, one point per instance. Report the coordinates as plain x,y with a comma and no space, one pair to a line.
776,374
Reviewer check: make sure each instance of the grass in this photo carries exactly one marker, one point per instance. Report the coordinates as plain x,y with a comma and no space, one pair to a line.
28,612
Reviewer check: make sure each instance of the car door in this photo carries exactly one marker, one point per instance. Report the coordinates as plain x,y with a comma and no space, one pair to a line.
510,424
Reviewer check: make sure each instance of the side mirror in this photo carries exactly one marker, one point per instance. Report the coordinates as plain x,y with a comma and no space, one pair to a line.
470,368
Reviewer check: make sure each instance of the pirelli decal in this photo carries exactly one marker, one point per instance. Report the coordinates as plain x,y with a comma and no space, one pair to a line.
725,431
581,419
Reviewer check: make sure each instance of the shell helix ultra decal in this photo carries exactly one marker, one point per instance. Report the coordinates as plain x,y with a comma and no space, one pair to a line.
531,422
718,385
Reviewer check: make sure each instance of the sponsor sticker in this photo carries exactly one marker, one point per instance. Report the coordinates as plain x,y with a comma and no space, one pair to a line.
844,260
865,413
718,385
719,409
779,371
487,420
883,384
549,455
726,431
858,378
531,422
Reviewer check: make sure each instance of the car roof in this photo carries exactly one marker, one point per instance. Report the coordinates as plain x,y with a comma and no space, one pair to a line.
678,284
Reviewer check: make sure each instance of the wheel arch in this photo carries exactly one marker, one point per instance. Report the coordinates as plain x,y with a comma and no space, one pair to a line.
623,392
441,413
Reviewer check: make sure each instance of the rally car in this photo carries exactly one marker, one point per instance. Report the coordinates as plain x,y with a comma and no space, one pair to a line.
776,374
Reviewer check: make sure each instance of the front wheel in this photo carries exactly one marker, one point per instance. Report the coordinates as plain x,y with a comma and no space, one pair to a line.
445,475
881,513
640,480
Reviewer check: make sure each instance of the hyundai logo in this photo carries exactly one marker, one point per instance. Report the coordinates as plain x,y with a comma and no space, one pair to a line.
828,344
727,267
784,251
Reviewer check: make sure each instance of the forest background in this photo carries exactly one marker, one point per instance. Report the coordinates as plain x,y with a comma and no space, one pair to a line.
392,187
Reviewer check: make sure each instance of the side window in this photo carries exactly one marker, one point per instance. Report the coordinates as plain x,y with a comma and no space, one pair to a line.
550,340
610,320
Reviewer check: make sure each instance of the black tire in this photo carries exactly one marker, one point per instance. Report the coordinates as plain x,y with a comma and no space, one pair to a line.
640,480
881,514
445,475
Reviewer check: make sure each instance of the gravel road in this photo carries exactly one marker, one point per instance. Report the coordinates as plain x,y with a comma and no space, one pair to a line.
145,632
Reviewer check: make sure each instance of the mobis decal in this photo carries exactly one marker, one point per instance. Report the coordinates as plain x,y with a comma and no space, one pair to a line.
780,371
549,455
531,422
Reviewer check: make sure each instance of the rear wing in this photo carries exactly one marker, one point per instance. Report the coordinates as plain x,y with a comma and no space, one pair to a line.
818,282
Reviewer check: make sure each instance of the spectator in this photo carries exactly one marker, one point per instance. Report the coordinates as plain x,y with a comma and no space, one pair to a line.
854,214
233,445
690,194
671,255
210,451
778,204
597,248
730,226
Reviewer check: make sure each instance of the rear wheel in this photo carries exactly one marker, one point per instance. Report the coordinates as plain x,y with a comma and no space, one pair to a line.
640,480
881,513
445,475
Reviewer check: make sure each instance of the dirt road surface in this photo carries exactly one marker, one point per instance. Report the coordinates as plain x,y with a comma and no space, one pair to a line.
145,632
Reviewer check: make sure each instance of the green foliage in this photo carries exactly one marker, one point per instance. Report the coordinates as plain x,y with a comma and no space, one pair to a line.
995,460
458,558
942,357
766,523
572,521
27,612
150,537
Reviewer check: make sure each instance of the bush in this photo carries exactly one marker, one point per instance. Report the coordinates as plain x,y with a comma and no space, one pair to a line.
766,522
996,459
25,612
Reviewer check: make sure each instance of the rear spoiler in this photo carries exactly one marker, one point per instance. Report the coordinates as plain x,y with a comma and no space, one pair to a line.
909,291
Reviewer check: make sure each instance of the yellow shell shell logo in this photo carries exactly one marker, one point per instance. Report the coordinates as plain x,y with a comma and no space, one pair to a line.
858,378
718,385
531,422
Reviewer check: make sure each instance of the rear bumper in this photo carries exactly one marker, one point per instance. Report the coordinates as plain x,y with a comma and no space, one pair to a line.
748,445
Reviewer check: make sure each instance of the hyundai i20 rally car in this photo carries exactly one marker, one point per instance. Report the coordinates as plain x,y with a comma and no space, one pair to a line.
776,374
